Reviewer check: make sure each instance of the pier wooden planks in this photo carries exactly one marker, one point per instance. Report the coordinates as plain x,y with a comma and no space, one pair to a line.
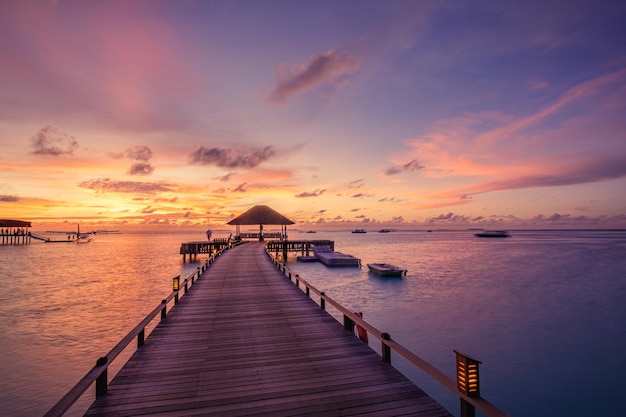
246,341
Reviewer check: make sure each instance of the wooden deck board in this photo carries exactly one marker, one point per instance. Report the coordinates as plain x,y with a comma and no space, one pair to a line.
246,341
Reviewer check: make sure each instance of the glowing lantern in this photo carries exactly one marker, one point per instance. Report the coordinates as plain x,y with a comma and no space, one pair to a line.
467,375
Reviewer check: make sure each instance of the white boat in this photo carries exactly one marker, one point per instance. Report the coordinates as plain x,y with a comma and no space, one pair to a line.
386,270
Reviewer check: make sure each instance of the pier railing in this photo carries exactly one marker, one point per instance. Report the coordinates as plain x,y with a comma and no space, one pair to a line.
99,373
465,386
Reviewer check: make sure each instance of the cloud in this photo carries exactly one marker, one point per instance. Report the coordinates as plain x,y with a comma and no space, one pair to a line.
241,188
141,168
325,69
9,199
51,141
315,193
138,153
448,218
587,171
238,158
356,183
224,178
414,165
108,185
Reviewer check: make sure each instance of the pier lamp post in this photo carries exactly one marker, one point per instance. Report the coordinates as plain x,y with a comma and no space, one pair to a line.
467,381
176,287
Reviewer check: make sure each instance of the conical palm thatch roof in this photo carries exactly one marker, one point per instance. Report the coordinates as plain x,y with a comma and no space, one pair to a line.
260,215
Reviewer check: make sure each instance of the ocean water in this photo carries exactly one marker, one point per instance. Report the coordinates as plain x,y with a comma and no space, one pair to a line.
544,311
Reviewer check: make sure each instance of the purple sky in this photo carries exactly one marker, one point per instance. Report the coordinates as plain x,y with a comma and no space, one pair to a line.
336,113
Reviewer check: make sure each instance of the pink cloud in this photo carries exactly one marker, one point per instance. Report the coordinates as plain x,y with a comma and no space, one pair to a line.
325,69
575,94
558,145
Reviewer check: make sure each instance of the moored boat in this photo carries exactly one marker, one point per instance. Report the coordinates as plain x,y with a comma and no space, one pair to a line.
359,231
492,233
386,270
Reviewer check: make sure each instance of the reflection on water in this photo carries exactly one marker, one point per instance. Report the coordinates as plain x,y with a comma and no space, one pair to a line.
64,305
539,310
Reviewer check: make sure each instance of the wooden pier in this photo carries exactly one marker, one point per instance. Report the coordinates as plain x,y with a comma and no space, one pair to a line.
193,249
14,232
245,341
302,247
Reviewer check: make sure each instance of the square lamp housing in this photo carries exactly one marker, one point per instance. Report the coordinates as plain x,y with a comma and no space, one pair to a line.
467,375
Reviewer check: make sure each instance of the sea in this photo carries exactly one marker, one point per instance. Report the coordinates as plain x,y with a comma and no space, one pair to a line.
544,311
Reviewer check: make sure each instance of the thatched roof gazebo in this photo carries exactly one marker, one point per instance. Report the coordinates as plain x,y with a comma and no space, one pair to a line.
14,232
14,223
261,215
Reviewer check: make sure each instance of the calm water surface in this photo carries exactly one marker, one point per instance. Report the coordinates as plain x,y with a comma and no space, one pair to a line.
543,311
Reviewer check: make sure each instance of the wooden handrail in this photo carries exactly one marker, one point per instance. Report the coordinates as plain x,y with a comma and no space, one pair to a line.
98,373
386,342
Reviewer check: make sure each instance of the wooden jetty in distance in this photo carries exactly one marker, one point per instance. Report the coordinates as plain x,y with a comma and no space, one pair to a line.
14,232
193,249
279,247
302,247
245,341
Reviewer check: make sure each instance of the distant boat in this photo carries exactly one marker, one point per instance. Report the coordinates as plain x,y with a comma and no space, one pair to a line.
359,231
493,233
384,231
386,270
311,231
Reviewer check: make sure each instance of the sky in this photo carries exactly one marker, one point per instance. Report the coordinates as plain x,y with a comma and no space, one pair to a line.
338,114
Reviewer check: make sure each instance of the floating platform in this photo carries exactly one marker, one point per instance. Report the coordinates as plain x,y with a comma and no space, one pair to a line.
305,258
331,258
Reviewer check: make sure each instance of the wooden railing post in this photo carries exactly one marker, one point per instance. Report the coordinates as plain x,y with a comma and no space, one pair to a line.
348,323
322,300
386,350
163,311
141,338
102,380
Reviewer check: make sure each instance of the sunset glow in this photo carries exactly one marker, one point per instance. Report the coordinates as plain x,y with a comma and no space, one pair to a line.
369,114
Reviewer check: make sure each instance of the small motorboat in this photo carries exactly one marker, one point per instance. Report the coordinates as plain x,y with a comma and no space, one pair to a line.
386,270
492,233
384,231
359,231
